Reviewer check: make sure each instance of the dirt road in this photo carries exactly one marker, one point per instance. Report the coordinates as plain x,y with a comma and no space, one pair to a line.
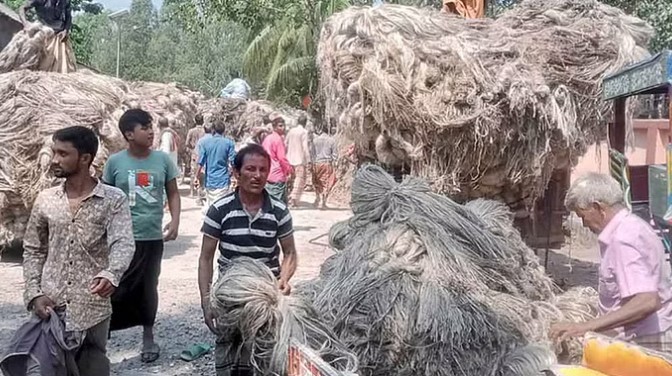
179,322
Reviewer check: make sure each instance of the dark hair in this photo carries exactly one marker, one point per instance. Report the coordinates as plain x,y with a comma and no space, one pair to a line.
83,139
266,119
132,118
302,120
198,119
219,124
252,149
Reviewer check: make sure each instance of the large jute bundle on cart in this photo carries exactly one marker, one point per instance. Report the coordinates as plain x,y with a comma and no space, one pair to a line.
244,115
421,285
252,313
479,107
33,105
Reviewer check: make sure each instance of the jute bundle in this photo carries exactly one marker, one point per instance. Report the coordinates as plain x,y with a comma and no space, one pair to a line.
27,49
248,305
480,108
243,115
33,105
423,285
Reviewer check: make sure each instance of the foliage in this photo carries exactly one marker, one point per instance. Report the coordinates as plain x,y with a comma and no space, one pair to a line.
159,47
658,13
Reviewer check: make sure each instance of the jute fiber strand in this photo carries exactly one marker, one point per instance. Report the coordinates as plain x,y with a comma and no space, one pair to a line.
242,116
34,104
421,285
480,108
248,304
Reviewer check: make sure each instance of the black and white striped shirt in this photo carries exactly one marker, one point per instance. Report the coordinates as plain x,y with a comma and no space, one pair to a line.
241,234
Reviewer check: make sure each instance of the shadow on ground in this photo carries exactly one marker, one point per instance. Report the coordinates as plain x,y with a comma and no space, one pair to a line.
570,272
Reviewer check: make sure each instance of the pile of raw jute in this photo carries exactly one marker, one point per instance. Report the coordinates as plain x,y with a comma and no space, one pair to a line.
242,116
419,285
27,49
250,308
480,108
33,105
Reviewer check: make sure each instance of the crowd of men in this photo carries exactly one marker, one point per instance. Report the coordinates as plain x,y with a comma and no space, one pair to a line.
93,246
295,155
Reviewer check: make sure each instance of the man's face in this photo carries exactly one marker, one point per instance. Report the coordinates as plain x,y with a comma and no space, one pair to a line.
592,217
253,174
142,135
66,160
279,127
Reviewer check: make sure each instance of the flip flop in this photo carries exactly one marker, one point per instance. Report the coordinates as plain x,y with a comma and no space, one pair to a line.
150,356
195,351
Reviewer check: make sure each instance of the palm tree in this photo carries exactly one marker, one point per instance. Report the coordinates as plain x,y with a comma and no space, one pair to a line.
283,54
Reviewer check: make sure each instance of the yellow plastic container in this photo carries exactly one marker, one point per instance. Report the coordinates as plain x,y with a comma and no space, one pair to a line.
617,358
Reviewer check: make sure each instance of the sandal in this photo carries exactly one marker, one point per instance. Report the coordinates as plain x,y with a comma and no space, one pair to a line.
151,355
195,351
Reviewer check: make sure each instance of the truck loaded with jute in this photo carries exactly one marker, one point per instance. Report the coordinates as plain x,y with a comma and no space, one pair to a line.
481,108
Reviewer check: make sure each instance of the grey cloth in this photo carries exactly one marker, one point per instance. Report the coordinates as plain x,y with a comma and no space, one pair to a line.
237,89
42,347
233,358
324,149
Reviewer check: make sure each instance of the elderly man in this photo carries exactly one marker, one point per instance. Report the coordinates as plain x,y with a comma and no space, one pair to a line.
635,291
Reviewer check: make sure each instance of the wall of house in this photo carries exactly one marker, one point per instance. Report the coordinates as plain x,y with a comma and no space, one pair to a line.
650,140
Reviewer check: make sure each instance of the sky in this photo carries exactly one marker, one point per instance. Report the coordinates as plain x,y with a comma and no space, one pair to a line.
121,4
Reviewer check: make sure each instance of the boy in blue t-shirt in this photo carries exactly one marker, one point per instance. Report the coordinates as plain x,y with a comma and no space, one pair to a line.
144,175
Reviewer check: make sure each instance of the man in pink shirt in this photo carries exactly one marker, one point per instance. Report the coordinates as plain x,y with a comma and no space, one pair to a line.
635,290
280,167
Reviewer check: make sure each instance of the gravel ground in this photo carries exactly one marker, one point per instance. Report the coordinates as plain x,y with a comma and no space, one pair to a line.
179,322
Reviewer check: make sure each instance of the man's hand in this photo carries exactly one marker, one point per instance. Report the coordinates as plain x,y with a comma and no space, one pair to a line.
102,287
43,306
285,287
209,317
62,36
565,331
170,232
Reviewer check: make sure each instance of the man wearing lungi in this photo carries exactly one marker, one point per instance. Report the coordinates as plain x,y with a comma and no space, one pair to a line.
143,174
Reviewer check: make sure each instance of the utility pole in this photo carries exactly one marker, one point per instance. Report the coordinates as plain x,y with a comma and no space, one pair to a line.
115,17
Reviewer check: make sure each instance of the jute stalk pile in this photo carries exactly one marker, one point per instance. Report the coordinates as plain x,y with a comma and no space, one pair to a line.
421,285
243,115
480,108
33,105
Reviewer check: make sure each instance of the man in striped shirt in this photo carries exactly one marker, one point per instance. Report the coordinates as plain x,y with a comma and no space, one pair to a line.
245,223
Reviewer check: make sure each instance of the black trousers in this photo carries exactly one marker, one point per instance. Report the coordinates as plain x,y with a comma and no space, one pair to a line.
136,300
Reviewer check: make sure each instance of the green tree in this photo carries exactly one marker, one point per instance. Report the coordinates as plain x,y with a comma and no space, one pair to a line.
89,29
137,30
281,57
